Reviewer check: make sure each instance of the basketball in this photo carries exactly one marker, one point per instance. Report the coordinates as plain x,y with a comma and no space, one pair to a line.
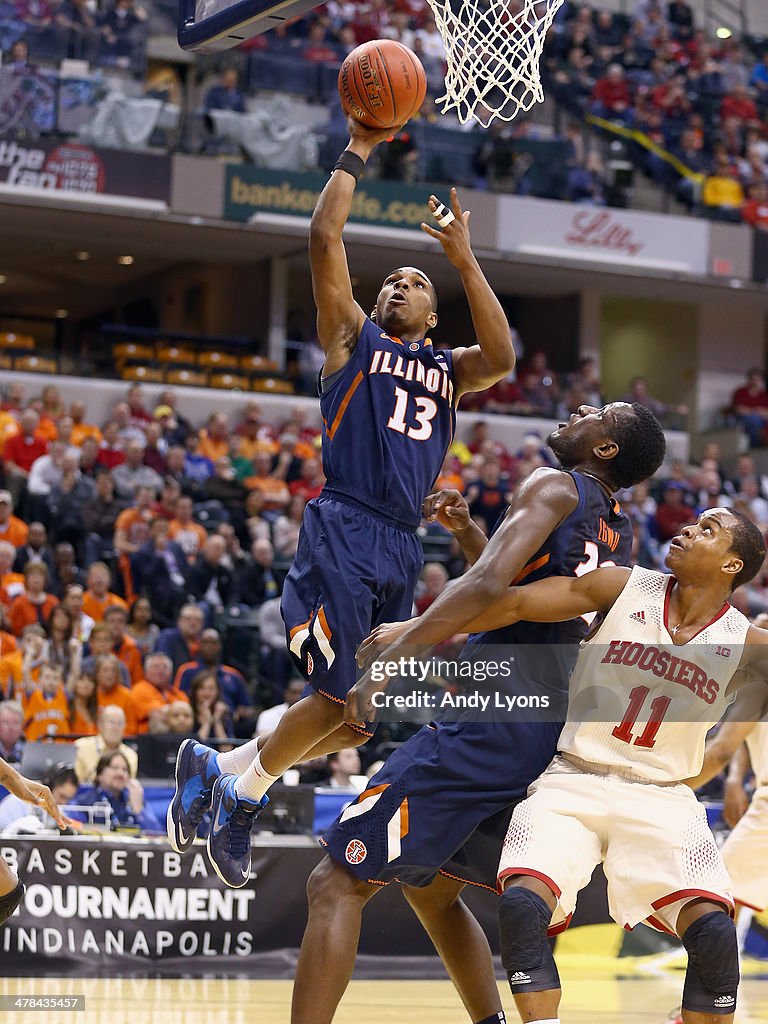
382,83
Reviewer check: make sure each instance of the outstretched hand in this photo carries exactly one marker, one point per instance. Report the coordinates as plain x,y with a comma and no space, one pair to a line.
454,235
369,137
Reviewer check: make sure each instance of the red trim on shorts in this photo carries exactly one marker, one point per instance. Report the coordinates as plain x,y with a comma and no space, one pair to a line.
377,881
654,922
321,841
681,894
558,928
468,881
529,873
749,906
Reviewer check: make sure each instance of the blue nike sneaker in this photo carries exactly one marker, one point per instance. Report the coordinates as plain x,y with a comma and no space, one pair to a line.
229,841
197,769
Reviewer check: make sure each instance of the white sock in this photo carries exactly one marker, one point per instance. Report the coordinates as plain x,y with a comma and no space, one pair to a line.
235,761
255,781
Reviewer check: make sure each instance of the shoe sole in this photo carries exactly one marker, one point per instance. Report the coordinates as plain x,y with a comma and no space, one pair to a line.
214,865
175,804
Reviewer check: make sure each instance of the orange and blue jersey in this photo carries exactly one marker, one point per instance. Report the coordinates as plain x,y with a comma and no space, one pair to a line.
443,800
388,420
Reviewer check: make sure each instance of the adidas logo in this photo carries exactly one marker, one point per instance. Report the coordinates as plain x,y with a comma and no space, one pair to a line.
518,978
724,1001
638,617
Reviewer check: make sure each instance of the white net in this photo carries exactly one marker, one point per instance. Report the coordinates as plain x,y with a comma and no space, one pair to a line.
492,49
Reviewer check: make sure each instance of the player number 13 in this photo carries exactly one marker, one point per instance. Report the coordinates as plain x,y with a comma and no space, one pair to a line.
424,414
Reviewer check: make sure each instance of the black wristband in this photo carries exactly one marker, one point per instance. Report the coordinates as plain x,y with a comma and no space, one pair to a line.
351,163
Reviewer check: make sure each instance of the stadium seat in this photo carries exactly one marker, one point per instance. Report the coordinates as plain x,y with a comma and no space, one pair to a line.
229,380
273,384
9,339
6,362
131,350
210,514
140,372
176,355
193,378
219,360
35,364
258,364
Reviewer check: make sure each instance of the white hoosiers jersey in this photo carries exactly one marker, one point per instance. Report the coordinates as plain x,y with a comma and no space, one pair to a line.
757,745
642,704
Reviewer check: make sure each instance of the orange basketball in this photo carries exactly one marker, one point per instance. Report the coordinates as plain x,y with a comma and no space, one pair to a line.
382,83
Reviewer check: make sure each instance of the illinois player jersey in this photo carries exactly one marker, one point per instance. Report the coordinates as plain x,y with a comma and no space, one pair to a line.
388,420
640,702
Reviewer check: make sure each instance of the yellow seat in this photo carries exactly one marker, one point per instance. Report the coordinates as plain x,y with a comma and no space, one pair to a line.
132,350
273,384
219,360
258,364
176,354
150,374
229,380
6,362
35,364
192,378
9,339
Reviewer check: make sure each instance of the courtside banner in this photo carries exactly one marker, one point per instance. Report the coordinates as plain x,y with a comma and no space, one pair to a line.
122,902
614,238
252,190
72,167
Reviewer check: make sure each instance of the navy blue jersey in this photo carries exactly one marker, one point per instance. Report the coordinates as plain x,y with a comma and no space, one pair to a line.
596,533
388,421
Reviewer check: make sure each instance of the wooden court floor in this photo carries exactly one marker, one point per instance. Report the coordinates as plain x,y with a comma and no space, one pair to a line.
595,993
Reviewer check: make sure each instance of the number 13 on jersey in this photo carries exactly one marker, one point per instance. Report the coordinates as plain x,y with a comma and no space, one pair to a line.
424,413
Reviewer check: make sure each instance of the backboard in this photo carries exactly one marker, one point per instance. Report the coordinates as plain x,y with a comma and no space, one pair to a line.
209,26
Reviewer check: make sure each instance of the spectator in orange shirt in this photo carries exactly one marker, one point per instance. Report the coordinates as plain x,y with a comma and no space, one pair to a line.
34,605
275,491
123,647
189,535
31,645
450,477
12,528
132,525
99,645
214,438
156,689
83,709
98,597
106,671
11,583
81,429
9,426
45,705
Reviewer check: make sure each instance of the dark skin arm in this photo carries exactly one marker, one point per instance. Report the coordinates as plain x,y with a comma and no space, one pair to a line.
544,501
339,318
479,366
450,509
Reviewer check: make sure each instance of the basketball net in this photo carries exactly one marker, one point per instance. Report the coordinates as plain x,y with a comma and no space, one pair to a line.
492,49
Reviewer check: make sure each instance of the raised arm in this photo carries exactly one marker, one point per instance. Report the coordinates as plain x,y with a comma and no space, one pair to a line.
339,317
479,366
31,792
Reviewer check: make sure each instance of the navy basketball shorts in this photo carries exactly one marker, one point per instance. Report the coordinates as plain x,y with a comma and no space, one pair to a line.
442,803
353,570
